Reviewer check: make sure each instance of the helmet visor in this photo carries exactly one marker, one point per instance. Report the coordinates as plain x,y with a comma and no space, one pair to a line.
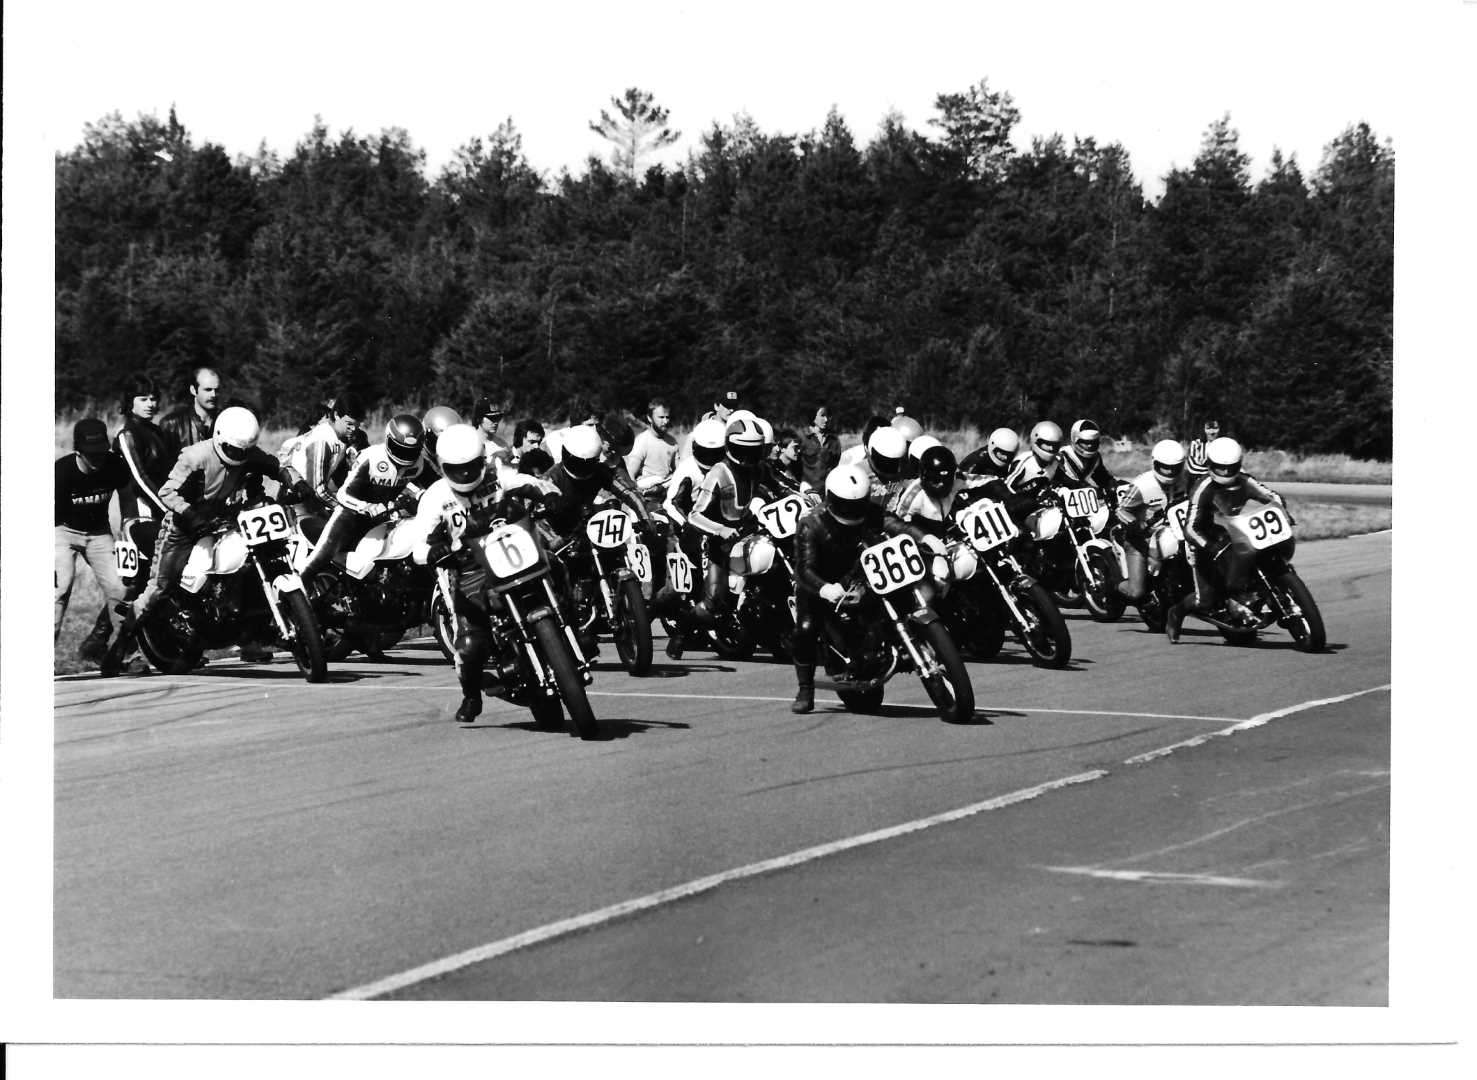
230,453
746,453
1088,445
402,455
465,472
1168,472
1226,472
846,511
1049,447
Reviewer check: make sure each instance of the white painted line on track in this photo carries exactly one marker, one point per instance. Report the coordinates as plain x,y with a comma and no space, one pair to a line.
1246,725
482,953
1161,877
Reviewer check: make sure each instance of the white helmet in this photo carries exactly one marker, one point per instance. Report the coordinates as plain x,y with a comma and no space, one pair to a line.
1046,441
1002,445
1087,438
1223,457
847,494
886,450
581,451
920,444
910,428
765,428
462,453
1168,457
741,414
235,432
743,439
707,443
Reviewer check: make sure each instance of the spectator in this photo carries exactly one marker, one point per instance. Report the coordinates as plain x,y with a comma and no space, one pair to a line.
488,416
194,422
654,456
527,434
1195,460
820,451
724,406
85,482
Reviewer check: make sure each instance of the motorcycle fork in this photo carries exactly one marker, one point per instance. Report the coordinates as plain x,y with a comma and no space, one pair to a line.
1006,595
900,624
272,604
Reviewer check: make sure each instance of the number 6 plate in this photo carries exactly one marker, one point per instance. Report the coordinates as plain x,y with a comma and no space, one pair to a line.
893,564
510,551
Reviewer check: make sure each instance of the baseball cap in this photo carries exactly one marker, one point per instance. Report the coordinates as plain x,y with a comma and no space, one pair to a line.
489,406
729,399
90,436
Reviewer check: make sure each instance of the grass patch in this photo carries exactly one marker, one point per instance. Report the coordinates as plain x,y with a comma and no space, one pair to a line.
1331,521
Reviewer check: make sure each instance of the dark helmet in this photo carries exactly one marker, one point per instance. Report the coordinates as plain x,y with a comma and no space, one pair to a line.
404,438
936,470
743,443
618,433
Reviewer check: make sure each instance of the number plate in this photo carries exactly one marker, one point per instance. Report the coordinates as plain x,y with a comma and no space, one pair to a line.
988,525
510,550
893,564
782,516
1080,502
1265,528
679,572
1179,518
126,555
638,558
264,523
609,528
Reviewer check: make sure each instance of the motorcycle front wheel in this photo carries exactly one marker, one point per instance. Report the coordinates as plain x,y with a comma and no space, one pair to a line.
1104,602
1305,621
950,690
306,645
1044,632
555,652
632,630
167,639
443,627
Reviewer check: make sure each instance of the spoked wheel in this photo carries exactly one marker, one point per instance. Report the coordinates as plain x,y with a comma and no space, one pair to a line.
167,639
1104,602
949,689
555,651
1305,621
1044,634
443,626
632,631
305,643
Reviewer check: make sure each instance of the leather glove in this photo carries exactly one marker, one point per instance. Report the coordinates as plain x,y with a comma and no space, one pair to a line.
832,592
192,520
438,553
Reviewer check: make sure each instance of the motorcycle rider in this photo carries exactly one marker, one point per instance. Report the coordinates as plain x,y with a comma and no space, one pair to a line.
1082,462
826,546
855,455
991,464
205,477
705,449
886,463
1142,504
461,504
721,505
1225,491
382,477
911,429
437,419
1037,469
318,459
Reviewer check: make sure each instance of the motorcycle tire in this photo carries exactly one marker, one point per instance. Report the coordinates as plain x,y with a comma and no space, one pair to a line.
632,632
554,649
981,629
1046,638
306,644
337,644
548,713
443,627
951,691
1306,626
861,702
1237,637
166,641
1104,602
731,639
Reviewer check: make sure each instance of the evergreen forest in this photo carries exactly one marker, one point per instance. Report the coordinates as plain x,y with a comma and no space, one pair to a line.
949,270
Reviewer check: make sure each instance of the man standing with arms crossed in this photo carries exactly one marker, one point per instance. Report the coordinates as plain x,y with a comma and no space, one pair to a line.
194,422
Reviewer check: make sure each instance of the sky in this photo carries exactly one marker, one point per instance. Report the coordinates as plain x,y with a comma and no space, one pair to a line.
1153,76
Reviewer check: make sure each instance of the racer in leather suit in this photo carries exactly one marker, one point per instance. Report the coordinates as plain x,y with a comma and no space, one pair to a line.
1142,504
1082,462
720,506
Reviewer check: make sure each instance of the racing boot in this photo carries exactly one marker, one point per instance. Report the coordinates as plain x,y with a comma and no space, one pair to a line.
674,644
95,644
470,709
805,692
1174,618
112,662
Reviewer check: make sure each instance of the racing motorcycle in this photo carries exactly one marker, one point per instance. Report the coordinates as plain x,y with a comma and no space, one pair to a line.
992,592
535,653
883,625
762,580
1278,596
238,582
605,590
1075,556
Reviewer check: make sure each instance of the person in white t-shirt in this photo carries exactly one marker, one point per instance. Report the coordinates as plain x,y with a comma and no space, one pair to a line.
653,458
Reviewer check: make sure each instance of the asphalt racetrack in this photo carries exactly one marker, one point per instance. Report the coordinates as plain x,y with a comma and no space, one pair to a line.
1201,824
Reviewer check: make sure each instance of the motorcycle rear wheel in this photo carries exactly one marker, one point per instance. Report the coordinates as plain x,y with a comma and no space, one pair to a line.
632,631
166,641
950,691
443,627
555,652
1104,602
1306,627
861,702
306,644
1046,636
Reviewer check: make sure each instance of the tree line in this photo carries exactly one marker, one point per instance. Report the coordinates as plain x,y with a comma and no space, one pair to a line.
945,270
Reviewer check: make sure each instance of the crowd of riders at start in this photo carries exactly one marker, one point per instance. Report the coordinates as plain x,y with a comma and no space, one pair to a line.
442,470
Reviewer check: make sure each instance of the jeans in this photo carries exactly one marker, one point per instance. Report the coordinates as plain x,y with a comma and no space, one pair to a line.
97,549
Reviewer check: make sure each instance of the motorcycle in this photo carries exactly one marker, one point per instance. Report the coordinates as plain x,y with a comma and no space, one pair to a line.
1075,556
1170,575
1278,596
883,625
219,601
535,654
605,590
761,577
994,593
